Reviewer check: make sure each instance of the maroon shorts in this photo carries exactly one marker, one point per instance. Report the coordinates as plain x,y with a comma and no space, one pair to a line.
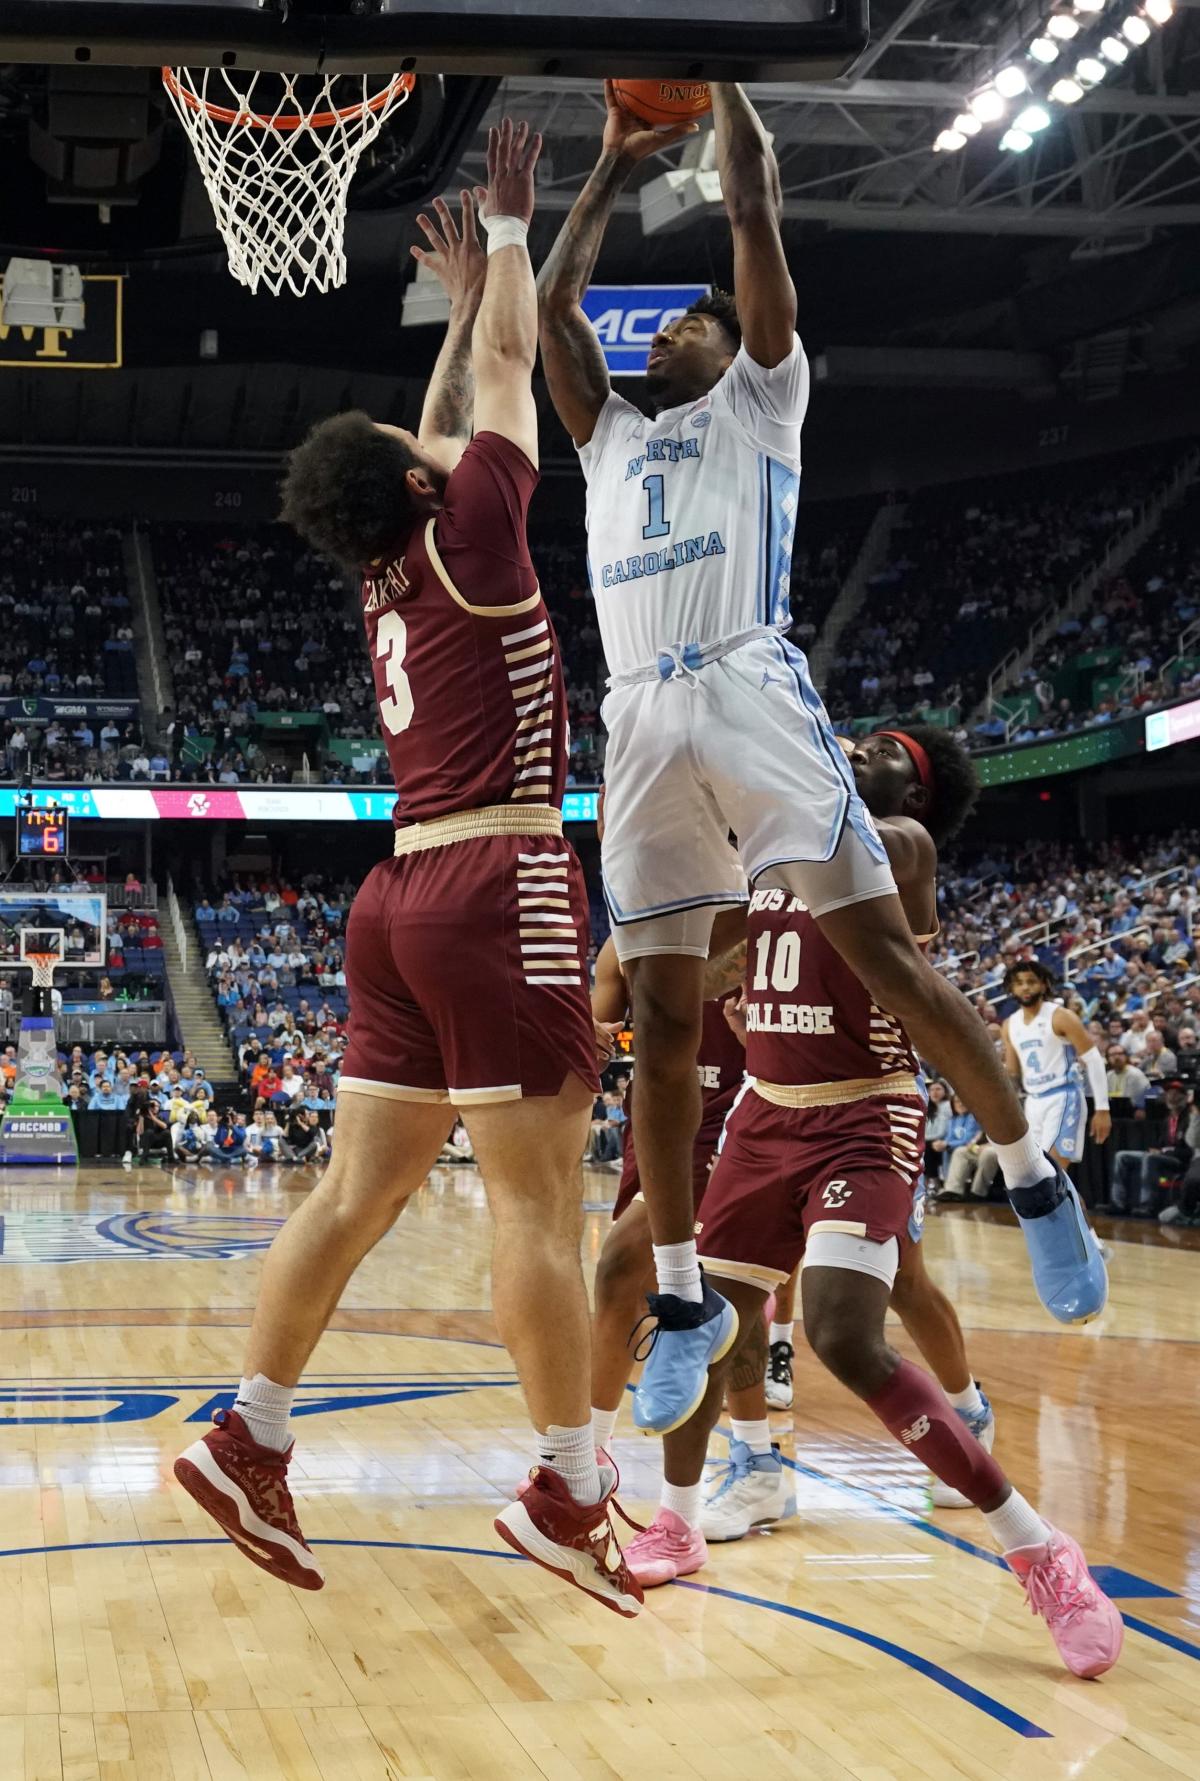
704,1153
785,1172
467,974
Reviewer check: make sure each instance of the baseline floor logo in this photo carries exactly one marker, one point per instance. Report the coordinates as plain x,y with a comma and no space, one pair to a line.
58,1237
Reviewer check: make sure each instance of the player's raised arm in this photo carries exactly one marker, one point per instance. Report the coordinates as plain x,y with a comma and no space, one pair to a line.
572,357
762,284
504,343
454,255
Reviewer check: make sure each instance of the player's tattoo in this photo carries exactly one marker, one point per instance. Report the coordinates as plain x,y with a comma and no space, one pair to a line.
750,1361
566,274
725,972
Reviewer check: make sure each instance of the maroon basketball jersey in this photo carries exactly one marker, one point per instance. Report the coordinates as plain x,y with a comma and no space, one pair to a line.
468,678
808,1018
721,1064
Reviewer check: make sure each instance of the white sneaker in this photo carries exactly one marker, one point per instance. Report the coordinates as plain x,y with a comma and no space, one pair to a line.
779,1376
751,1489
128,1157
982,1424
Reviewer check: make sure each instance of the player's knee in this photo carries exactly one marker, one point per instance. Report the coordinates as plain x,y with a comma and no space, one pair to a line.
857,1358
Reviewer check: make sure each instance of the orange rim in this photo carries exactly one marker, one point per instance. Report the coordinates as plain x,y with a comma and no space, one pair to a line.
316,120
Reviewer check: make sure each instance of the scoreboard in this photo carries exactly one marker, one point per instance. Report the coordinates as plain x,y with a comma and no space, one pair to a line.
42,833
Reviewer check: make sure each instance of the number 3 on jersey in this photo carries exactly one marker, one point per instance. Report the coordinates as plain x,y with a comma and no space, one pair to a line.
391,641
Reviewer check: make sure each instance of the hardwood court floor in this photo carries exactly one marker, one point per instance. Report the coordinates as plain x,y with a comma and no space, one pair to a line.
866,1638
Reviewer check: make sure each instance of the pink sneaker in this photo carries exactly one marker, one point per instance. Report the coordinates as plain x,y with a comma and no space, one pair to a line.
667,1549
1083,1623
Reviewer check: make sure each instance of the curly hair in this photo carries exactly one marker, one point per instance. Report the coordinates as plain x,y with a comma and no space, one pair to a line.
722,306
956,785
1042,972
344,490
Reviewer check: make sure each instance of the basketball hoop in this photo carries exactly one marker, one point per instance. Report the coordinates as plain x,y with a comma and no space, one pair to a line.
277,161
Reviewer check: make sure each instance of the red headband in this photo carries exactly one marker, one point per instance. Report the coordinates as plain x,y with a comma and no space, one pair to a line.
917,756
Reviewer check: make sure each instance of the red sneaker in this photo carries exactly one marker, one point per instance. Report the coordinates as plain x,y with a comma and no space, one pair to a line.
574,1540
244,1488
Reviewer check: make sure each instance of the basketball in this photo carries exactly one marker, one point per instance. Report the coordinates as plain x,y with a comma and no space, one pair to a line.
664,101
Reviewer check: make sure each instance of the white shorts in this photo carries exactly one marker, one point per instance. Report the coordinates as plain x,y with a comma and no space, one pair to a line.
1059,1122
742,743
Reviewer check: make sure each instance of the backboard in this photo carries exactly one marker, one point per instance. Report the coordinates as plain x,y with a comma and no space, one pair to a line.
752,40
81,917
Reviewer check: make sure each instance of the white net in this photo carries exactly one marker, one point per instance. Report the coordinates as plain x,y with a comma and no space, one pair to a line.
277,153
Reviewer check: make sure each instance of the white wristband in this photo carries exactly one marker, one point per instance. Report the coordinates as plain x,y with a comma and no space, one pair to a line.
505,231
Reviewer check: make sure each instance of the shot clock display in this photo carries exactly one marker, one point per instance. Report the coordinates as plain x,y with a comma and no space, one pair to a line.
41,834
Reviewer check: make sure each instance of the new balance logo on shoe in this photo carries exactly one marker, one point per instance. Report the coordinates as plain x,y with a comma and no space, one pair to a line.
917,1432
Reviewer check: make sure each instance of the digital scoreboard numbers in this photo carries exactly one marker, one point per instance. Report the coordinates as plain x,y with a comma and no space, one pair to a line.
42,834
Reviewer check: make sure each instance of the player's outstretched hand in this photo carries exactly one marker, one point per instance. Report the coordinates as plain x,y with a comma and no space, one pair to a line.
454,254
628,136
512,154
606,1040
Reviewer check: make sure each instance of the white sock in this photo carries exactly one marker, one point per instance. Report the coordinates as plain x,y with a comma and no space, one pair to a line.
265,1409
572,1454
603,1424
678,1269
782,1332
968,1400
1023,1163
1015,1523
756,1434
683,1500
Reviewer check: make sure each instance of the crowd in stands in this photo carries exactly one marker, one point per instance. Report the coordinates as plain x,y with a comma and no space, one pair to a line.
275,958
968,571
1117,927
1127,652
65,634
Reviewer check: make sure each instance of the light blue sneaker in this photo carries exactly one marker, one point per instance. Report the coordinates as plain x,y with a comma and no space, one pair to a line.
1068,1263
750,1490
982,1424
678,1354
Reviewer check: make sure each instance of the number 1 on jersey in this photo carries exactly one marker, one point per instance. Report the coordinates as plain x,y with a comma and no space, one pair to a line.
656,525
391,641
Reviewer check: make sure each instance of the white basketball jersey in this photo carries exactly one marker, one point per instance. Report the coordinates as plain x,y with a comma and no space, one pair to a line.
1047,1062
692,516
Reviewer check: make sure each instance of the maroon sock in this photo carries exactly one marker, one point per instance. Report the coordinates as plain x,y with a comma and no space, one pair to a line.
916,1410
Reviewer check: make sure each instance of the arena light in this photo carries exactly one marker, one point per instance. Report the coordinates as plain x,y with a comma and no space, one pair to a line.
1089,5
1061,24
1113,50
949,141
1159,10
1017,140
987,106
1066,91
966,124
1135,29
1089,71
1044,50
1032,119
1011,82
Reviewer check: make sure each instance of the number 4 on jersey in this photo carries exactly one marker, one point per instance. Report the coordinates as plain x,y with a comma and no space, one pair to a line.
391,641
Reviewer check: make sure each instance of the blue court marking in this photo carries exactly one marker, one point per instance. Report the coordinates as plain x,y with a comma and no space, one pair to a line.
1183,1646
1111,1578
974,1697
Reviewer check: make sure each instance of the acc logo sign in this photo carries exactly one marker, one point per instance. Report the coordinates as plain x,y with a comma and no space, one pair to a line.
627,317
